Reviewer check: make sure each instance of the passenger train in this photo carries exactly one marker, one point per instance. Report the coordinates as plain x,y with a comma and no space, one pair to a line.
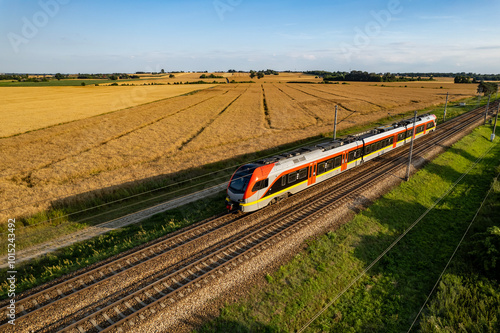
256,185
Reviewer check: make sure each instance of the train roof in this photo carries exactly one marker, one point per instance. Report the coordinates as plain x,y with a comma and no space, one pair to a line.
305,153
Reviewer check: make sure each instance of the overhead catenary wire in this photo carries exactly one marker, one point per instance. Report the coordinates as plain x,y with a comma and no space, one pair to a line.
150,191
453,254
156,189
356,279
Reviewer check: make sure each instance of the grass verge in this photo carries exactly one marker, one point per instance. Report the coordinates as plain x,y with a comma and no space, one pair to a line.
390,295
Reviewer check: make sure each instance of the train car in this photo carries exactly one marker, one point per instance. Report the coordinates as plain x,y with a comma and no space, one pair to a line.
256,185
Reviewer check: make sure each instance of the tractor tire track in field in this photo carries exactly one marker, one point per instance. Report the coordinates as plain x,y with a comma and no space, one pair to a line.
268,124
289,96
303,108
210,122
324,99
359,99
114,138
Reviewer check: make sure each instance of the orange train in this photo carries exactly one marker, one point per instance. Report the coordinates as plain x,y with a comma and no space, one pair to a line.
256,185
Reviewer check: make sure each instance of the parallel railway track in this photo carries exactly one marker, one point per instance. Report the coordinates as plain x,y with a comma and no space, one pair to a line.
247,235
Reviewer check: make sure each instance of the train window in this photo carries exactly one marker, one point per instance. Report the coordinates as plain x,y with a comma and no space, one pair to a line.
260,185
337,161
401,136
241,178
430,125
302,173
329,164
409,133
351,156
292,177
420,129
321,168
283,181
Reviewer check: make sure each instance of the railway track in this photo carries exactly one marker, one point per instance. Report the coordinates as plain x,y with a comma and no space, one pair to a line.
253,233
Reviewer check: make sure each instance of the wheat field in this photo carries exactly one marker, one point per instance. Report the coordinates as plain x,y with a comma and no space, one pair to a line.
104,149
29,108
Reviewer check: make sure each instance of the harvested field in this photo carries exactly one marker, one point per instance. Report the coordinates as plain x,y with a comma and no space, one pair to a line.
29,108
178,133
284,111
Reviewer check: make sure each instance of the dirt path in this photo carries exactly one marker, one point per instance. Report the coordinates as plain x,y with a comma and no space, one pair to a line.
90,232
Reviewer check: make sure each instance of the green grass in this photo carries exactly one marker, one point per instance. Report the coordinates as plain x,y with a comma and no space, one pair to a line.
388,298
468,296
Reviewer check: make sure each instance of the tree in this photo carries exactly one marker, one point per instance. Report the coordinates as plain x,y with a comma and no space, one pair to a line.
487,88
462,79
59,76
260,75
162,71
171,76
252,74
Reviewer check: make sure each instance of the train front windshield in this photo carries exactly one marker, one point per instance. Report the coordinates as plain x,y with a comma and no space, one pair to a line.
241,179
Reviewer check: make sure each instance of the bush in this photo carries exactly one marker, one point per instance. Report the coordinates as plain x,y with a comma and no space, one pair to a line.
463,305
485,253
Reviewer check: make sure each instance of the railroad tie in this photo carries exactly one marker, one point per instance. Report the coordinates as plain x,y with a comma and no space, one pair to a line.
159,291
23,310
118,312
94,322
108,319
129,307
139,301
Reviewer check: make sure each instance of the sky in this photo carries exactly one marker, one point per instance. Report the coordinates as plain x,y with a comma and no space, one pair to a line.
107,36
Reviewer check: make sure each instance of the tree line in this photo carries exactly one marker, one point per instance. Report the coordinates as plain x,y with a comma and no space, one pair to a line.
366,77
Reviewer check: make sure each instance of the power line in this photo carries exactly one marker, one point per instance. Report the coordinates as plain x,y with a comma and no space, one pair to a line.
159,188
453,254
146,192
393,244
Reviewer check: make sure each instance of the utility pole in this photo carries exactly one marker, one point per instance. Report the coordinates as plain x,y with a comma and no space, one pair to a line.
411,147
495,126
335,123
445,106
486,111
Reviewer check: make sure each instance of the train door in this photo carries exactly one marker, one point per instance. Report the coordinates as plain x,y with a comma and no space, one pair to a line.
313,169
344,161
